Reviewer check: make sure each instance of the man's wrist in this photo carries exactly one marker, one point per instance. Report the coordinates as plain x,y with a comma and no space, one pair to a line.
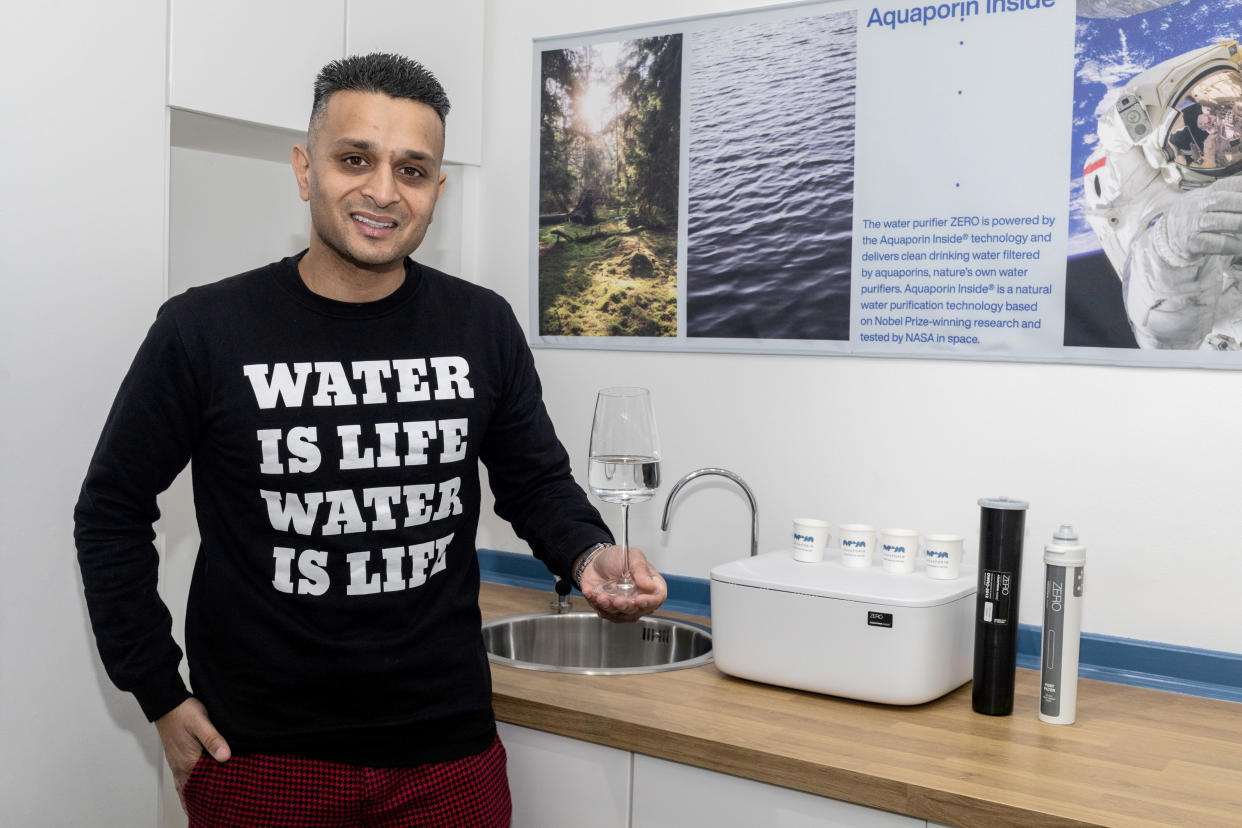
160,693
584,560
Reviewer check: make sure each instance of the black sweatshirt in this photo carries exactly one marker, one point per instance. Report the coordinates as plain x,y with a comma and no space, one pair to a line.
333,610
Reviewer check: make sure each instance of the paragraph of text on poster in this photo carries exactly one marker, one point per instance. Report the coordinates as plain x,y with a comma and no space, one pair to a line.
944,283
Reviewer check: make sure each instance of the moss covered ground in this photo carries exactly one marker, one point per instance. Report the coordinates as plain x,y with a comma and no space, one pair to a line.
607,280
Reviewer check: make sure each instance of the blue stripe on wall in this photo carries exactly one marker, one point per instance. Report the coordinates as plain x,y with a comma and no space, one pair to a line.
1208,673
1195,672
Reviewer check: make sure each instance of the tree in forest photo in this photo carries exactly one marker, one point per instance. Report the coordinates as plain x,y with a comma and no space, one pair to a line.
609,155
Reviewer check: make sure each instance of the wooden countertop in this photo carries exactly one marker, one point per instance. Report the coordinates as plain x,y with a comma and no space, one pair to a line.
1135,757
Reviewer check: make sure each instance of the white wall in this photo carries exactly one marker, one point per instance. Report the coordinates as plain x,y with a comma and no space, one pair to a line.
1139,459
82,262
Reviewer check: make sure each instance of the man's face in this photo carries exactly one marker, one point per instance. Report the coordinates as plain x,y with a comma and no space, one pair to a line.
371,173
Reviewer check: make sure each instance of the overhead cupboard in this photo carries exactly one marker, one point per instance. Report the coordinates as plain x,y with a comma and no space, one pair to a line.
255,62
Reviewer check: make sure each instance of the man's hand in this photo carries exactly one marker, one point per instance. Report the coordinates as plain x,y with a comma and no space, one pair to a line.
186,732
607,565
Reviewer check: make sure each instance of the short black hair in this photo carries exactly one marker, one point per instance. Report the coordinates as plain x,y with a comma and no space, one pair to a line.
393,75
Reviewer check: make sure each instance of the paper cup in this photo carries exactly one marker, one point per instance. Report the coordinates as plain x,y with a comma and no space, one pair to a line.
857,544
943,555
899,548
810,536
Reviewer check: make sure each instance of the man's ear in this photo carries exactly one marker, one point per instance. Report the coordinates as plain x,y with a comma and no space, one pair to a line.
300,159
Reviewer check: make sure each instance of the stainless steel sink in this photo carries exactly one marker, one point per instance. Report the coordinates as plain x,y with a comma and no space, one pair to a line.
582,642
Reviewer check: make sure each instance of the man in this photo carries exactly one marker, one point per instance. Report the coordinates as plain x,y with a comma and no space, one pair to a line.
335,405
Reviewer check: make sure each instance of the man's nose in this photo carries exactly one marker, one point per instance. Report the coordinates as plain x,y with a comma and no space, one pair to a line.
381,186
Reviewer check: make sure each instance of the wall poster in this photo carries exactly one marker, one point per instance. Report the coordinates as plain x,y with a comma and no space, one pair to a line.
1034,180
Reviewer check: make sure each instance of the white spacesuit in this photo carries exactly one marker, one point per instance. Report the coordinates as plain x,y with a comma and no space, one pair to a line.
1163,193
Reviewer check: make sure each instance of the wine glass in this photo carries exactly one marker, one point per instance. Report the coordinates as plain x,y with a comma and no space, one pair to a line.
624,465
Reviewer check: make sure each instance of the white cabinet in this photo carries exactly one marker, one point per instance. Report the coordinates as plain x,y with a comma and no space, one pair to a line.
556,781
448,39
258,61
671,795
252,61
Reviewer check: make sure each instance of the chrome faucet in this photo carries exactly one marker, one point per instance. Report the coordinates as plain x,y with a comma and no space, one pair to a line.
560,600
754,509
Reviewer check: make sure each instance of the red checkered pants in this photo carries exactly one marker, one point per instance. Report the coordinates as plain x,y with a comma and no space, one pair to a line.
265,790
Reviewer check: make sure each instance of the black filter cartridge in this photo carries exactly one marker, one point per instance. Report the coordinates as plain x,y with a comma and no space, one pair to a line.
1001,526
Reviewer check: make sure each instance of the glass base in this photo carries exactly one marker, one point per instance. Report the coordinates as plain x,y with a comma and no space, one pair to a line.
620,589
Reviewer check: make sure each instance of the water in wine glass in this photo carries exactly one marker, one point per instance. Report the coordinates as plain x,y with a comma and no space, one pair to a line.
624,463
620,478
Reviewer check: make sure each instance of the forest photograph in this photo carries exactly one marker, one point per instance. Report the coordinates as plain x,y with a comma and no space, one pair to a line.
609,159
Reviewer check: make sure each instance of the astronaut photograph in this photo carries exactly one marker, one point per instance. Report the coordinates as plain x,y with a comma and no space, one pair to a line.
1155,245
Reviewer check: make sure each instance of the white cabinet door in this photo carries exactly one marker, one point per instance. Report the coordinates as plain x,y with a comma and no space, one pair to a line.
560,782
448,39
255,61
671,795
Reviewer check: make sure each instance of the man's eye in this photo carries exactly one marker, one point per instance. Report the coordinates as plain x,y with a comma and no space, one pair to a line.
411,172
355,160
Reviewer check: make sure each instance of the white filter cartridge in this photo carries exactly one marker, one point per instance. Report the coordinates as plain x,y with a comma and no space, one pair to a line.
1064,561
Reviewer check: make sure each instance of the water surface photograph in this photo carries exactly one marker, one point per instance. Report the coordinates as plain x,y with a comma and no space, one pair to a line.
771,190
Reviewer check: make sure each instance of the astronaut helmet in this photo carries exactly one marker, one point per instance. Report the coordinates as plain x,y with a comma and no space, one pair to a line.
1185,114
1205,136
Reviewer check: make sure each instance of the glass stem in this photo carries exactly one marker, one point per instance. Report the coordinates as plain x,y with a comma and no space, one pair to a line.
626,577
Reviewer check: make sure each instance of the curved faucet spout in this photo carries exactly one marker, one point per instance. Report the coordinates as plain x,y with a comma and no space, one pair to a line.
754,508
